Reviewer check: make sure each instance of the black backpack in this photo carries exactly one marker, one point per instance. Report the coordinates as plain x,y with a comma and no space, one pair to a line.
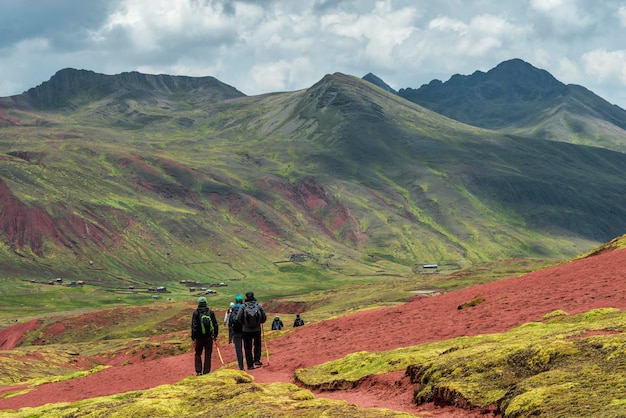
206,323
251,315
232,322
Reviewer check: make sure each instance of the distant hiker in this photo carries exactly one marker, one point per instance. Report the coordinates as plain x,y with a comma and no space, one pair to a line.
298,322
235,328
227,322
203,332
277,324
228,312
251,316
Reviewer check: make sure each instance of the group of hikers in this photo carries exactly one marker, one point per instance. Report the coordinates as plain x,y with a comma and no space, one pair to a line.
245,319
277,324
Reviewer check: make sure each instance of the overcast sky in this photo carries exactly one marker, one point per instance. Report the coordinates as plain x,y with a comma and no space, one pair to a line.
268,46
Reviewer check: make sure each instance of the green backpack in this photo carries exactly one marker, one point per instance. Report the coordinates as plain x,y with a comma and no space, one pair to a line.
206,323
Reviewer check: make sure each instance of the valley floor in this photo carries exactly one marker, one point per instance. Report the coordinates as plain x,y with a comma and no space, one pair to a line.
575,287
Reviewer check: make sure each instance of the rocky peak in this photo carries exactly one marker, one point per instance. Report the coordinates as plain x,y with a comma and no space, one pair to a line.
69,86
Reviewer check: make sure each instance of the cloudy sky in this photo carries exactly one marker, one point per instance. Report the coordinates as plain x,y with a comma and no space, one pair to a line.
283,45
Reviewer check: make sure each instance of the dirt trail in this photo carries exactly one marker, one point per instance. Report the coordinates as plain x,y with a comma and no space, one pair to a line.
576,287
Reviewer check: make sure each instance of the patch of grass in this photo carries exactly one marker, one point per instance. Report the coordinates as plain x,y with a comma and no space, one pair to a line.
474,302
34,366
224,393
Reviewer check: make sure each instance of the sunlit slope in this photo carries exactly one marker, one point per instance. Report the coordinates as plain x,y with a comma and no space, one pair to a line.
143,182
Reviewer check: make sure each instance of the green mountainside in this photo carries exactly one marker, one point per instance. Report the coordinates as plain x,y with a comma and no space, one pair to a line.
135,178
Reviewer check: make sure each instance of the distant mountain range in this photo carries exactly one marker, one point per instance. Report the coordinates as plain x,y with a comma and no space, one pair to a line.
518,98
135,178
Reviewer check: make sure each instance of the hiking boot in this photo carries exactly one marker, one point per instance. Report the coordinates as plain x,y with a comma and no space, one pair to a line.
198,374
258,363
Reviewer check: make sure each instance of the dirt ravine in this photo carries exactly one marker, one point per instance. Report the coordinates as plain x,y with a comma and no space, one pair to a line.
575,287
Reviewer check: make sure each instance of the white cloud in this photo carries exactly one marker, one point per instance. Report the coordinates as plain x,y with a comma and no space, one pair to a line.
569,72
477,37
566,16
261,46
621,14
447,24
278,74
161,24
606,65
545,5
376,33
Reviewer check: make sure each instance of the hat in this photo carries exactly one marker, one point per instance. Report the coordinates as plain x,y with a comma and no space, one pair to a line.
201,300
239,299
249,295
232,304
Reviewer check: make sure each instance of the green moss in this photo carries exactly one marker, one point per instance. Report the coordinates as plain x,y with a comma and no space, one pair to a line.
554,314
224,393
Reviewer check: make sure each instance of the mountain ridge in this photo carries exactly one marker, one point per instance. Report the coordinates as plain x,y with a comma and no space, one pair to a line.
516,97
358,178
69,85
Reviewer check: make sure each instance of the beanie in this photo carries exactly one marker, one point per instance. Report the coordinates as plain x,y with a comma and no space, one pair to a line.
249,295
201,301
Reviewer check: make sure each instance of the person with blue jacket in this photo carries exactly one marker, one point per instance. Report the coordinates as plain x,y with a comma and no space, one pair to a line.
235,328
251,316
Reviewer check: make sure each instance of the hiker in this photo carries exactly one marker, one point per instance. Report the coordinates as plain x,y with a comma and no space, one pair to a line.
235,328
227,322
277,324
228,312
251,316
298,321
203,332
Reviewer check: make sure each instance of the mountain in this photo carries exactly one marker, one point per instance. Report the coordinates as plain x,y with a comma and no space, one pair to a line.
136,180
374,79
516,97
75,87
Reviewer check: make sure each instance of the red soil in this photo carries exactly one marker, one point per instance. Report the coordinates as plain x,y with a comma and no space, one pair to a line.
576,287
30,226
11,337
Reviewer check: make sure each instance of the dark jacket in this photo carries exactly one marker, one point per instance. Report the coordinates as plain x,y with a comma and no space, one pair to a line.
196,327
277,324
232,323
239,316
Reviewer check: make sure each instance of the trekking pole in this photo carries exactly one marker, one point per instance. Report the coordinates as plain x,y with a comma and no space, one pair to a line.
267,352
218,351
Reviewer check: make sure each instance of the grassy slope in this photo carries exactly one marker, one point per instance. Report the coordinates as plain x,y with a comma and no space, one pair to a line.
124,190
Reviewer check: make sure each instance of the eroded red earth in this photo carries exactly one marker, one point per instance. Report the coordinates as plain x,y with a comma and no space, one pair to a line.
575,287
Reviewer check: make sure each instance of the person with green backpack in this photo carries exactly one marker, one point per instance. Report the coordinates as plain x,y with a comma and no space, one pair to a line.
204,331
